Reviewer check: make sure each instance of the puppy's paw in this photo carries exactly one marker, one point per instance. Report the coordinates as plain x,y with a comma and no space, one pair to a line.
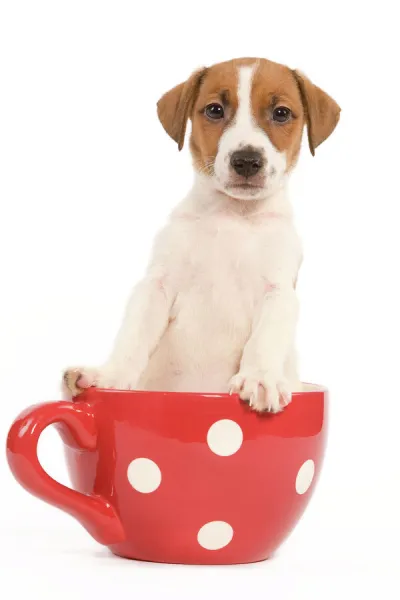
80,378
264,391
110,377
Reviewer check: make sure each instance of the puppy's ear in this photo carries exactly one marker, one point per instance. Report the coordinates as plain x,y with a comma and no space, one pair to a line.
176,106
321,111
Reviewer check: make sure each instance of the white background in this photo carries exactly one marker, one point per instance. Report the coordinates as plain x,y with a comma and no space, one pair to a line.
87,176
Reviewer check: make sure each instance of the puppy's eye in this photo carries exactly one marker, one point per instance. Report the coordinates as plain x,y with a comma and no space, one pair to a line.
282,114
214,111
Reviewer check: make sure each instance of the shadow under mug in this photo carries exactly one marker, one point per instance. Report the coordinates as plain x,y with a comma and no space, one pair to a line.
178,477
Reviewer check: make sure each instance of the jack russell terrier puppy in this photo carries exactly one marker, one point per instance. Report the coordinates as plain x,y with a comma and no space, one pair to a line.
217,309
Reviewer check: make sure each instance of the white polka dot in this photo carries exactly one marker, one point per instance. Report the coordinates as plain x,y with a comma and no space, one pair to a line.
215,535
305,477
144,475
224,437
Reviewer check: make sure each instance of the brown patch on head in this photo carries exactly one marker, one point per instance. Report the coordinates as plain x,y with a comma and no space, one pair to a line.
220,86
274,86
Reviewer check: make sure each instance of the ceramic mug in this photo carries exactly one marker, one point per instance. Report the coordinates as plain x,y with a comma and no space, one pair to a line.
177,477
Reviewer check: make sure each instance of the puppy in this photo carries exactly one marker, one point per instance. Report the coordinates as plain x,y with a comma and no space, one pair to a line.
217,310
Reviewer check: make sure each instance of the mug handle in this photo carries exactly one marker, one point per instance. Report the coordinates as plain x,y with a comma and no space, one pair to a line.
94,512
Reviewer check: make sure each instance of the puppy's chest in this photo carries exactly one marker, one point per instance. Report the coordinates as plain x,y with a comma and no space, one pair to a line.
223,268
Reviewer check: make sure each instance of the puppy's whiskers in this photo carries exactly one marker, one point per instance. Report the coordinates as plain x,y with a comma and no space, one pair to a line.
207,168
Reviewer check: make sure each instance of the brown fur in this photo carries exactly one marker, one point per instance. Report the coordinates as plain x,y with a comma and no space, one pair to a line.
321,111
220,85
176,106
274,85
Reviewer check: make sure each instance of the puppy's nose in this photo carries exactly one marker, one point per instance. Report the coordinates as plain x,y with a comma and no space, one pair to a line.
246,162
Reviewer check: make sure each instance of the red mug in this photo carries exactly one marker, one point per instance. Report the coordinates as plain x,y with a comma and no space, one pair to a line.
178,477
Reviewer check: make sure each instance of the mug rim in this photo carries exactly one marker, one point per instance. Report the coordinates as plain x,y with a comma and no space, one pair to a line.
308,388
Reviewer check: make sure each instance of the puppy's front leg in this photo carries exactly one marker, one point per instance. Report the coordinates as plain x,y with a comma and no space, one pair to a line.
261,378
146,318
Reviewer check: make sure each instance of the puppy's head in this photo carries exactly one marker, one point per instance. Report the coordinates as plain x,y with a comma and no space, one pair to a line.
247,122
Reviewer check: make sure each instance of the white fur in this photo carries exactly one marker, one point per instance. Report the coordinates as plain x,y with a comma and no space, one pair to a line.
244,131
217,309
